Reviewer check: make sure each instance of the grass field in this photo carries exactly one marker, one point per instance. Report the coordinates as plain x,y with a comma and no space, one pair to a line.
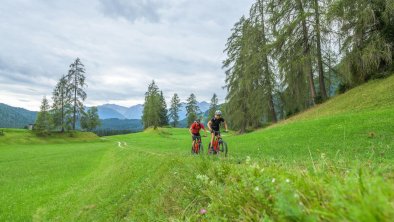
331,163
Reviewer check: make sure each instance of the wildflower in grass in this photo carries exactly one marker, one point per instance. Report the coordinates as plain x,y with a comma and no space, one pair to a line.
203,178
273,180
203,211
255,166
256,188
287,180
247,160
323,156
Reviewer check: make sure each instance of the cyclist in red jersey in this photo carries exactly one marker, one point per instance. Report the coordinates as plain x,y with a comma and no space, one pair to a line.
195,130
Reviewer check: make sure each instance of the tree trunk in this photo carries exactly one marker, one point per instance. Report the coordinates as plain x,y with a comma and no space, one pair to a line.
62,121
309,70
322,85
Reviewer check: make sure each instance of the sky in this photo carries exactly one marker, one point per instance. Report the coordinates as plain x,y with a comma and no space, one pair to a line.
124,45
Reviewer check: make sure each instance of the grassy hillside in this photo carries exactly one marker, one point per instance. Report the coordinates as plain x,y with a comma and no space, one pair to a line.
323,165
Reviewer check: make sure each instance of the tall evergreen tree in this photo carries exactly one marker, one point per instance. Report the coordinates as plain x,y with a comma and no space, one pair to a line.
294,40
174,110
152,107
319,56
76,83
163,110
90,120
43,125
192,109
258,17
61,104
213,106
366,30
243,76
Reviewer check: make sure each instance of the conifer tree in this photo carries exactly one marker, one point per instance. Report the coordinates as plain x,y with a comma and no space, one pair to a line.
213,106
174,110
76,83
192,109
90,120
61,104
152,107
163,110
43,125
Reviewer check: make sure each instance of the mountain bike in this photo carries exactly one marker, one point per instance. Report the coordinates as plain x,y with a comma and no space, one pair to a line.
218,146
197,147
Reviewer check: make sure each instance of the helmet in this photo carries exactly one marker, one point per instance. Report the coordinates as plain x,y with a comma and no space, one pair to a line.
218,112
197,120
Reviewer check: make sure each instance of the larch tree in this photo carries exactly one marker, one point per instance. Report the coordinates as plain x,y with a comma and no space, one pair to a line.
244,76
61,104
258,17
76,83
366,30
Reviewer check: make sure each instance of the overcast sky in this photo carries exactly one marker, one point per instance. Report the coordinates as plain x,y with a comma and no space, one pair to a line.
124,44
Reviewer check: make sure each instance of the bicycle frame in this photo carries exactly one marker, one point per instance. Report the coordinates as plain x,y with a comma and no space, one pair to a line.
216,141
197,142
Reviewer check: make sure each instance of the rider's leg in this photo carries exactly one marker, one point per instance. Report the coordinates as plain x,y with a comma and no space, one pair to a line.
212,137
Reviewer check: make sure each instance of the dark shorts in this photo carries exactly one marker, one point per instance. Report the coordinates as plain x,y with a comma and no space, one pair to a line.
196,136
217,132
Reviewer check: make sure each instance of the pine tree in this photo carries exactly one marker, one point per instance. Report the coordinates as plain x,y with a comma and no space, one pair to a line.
76,83
90,120
61,104
152,107
43,125
163,110
213,106
174,110
192,109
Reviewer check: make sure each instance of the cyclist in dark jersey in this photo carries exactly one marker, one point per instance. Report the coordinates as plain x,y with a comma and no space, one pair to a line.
214,125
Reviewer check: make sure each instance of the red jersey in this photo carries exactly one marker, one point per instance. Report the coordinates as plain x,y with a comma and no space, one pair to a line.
196,127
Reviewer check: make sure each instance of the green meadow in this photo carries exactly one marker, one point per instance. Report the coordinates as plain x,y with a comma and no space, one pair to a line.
331,163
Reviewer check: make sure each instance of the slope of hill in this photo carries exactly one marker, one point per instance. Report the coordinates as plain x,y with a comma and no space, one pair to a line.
12,117
318,167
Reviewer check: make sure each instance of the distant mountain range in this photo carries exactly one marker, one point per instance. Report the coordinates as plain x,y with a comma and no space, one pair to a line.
112,116
110,111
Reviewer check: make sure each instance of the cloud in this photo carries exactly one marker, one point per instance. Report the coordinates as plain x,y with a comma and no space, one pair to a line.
123,44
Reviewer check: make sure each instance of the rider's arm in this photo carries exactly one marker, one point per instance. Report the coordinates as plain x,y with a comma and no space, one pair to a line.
190,130
209,125
225,126
205,130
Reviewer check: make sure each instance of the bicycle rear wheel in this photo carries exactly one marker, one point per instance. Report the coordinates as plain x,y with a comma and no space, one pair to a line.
223,148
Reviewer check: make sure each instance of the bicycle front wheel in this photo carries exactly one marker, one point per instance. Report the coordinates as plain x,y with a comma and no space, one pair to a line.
201,150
